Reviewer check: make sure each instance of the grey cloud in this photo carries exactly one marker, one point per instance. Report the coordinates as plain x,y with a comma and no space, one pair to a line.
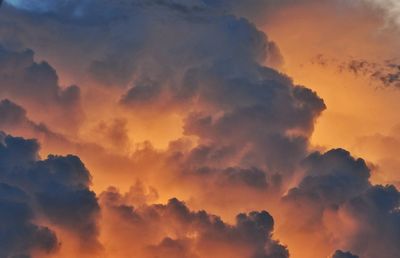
56,188
19,236
381,74
332,178
341,254
11,114
377,213
14,120
337,183
36,86
196,59
21,76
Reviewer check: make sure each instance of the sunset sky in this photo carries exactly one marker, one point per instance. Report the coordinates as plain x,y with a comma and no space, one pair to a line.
200,129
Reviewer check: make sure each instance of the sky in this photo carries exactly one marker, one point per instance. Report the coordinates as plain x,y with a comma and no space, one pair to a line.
199,128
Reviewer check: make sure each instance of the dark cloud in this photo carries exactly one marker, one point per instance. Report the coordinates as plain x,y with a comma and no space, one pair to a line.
250,124
194,234
54,189
376,213
19,236
336,191
227,98
192,58
383,74
332,178
207,67
329,181
341,254
114,57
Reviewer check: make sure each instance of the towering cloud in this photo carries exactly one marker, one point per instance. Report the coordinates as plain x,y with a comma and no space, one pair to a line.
241,141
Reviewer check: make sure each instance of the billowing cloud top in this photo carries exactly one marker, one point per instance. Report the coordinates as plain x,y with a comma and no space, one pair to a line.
203,80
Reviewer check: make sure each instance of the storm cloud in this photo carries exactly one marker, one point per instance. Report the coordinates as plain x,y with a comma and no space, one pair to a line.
55,190
236,133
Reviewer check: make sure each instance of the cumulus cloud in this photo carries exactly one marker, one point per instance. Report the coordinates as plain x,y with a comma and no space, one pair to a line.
36,86
173,230
55,190
336,194
193,59
376,218
245,135
332,178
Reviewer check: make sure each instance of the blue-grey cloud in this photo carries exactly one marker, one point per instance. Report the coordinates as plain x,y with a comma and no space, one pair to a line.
56,188
337,183
19,235
341,254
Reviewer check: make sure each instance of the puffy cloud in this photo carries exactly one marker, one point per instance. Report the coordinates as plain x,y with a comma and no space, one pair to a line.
172,230
331,178
246,130
213,72
376,219
193,59
36,86
54,190
335,195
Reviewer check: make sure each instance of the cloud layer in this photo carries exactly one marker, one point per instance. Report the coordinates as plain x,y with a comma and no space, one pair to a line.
240,148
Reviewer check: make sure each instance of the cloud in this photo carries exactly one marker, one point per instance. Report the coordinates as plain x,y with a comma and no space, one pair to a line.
341,254
371,239
336,194
55,190
14,120
173,230
245,134
19,235
36,86
332,178
193,60
385,74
